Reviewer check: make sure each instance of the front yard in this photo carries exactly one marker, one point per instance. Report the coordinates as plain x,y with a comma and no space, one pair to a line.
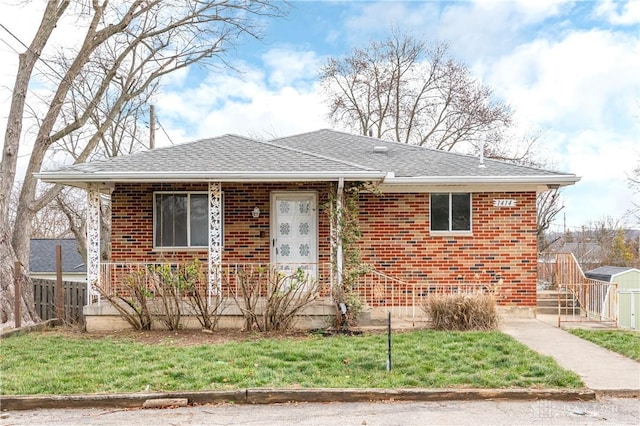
62,362
626,343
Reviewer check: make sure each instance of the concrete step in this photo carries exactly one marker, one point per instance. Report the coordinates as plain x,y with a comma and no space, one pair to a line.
549,302
554,310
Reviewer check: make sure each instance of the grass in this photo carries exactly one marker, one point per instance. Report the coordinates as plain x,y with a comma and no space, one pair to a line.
43,363
626,343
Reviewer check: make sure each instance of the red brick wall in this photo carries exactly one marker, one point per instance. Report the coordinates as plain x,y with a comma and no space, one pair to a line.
245,239
395,229
396,240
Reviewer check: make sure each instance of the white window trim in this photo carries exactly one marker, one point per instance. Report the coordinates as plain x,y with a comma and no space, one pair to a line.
187,247
451,233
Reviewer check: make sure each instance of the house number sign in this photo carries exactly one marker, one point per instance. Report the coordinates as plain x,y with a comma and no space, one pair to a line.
504,203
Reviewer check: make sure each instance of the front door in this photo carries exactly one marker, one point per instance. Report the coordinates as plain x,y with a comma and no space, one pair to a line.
294,231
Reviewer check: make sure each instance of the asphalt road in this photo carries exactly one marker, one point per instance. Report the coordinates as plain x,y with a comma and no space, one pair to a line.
610,411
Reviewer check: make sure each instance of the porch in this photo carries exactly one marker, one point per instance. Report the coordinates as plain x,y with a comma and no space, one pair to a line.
379,293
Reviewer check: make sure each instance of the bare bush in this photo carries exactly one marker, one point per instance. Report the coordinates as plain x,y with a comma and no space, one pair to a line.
207,308
168,285
160,292
462,311
271,299
133,305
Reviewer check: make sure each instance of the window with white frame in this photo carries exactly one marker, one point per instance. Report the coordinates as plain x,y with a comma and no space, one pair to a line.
180,219
451,212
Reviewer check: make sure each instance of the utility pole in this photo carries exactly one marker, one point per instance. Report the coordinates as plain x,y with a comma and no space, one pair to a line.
152,126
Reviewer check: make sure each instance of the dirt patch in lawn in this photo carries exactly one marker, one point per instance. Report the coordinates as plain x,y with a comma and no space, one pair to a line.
177,338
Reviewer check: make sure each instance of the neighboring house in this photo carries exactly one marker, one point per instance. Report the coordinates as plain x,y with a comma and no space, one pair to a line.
588,254
628,281
42,259
434,219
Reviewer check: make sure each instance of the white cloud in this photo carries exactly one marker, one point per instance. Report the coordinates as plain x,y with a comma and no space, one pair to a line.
489,28
369,20
619,13
579,81
278,99
287,66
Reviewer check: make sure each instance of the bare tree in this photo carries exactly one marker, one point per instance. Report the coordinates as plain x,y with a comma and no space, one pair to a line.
127,47
404,90
49,222
549,206
634,184
407,91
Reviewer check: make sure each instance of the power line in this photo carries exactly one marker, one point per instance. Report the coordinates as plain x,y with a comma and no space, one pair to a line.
164,131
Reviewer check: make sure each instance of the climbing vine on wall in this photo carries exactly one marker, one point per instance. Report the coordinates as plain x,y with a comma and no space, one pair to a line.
345,222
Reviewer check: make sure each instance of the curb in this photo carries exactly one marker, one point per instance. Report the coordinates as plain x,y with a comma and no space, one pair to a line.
275,396
617,393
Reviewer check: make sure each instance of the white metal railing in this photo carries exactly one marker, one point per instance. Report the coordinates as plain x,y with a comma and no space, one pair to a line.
377,290
116,277
404,299
595,300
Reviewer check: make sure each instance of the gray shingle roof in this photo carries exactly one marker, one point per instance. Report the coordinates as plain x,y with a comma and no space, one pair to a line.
605,273
228,153
42,255
401,159
323,154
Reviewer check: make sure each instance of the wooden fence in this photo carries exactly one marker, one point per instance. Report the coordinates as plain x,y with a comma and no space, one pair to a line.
74,298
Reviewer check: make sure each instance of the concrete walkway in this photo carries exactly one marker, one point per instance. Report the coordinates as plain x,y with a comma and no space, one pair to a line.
601,370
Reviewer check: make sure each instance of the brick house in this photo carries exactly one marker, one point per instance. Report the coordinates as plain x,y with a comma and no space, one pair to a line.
435,218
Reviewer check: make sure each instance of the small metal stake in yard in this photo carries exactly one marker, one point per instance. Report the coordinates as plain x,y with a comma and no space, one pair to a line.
389,341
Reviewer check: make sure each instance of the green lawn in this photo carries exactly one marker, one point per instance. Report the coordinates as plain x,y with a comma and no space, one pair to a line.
623,342
49,363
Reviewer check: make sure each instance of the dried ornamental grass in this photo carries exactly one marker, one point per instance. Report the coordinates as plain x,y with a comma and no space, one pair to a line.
462,311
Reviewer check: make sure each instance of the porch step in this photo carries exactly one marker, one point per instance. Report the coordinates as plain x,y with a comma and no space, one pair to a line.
549,300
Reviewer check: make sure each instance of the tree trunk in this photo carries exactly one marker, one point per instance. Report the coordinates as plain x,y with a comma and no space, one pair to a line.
26,63
8,290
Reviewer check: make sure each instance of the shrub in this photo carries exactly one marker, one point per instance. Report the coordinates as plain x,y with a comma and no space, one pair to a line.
271,300
159,292
132,304
461,311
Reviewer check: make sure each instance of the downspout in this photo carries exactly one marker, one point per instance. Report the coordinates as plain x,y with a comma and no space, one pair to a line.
339,259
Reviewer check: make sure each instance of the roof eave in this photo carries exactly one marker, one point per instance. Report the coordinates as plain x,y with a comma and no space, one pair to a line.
551,181
83,179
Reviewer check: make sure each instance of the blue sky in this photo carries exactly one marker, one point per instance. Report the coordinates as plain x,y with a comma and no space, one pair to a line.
569,69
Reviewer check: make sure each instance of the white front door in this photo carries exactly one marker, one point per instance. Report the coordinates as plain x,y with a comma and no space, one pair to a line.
294,231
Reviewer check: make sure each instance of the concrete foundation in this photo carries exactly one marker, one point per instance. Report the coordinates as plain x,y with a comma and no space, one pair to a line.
105,317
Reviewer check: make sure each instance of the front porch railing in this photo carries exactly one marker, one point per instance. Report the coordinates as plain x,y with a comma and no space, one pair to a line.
378,291
404,299
116,277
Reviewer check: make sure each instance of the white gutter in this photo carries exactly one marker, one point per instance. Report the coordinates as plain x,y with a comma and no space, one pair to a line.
470,180
199,176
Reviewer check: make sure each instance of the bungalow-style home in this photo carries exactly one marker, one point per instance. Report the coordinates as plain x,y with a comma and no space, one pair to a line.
429,218
42,259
